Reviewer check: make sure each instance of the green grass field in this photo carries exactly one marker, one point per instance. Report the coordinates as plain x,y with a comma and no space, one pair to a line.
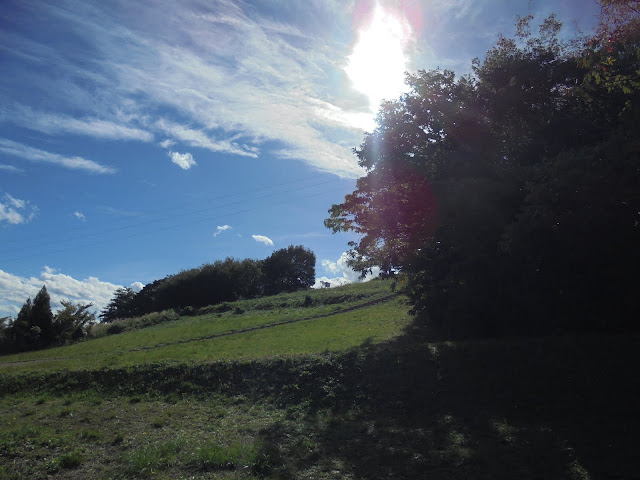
348,389
268,327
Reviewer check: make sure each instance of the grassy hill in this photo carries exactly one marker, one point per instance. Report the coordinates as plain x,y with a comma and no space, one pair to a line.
320,385
287,324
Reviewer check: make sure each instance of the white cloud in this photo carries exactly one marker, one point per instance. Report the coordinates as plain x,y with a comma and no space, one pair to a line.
14,290
198,138
80,216
341,273
93,127
16,202
262,239
221,229
239,84
16,211
167,143
11,168
10,215
136,286
184,160
29,153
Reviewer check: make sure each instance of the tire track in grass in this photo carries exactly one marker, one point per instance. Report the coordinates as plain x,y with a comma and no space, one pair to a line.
268,325
369,303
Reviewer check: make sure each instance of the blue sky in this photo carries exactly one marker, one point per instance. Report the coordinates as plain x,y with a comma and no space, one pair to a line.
141,138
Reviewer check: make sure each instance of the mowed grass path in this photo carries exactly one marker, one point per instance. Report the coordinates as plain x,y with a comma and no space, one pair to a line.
181,340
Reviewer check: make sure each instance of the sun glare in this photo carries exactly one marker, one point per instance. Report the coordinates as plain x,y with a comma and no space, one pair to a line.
378,62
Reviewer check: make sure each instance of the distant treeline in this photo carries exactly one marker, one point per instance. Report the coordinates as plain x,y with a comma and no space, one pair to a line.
36,326
286,270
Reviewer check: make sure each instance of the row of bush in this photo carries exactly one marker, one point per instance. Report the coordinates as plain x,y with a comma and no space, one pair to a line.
286,270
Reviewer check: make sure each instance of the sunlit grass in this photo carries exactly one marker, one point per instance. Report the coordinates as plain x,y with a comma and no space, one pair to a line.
316,328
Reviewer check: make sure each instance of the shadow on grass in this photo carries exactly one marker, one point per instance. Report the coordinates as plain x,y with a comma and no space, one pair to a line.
528,408
512,408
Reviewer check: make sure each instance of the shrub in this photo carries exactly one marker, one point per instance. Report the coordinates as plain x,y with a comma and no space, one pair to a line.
115,329
70,460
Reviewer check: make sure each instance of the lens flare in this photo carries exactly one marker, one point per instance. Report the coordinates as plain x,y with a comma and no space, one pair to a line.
377,64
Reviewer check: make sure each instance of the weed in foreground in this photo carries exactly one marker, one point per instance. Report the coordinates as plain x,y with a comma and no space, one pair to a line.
236,456
92,435
152,458
158,423
70,460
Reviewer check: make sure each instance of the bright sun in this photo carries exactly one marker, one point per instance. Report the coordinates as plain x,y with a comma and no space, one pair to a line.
378,62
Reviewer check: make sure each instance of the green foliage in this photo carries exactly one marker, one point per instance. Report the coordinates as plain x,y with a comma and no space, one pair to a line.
33,328
150,459
120,306
70,460
72,322
238,455
122,325
289,269
37,327
286,270
508,197
41,317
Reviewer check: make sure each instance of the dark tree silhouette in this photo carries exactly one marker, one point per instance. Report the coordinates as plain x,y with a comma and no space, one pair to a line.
120,306
289,269
509,197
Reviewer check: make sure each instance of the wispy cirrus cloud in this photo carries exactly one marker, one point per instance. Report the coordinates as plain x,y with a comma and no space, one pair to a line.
263,239
36,155
224,78
10,168
200,139
60,123
80,216
16,211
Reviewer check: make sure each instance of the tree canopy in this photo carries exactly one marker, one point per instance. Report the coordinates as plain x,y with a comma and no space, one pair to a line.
286,270
509,197
37,327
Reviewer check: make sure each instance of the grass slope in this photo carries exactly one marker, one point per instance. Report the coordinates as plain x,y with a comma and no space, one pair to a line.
334,319
404,407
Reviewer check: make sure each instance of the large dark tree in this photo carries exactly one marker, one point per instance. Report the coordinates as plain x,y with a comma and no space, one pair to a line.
33,328
289,269
42,317
120,306
508,197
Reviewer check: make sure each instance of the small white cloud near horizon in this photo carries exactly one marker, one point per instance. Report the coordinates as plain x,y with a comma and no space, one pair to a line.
16,211
80,216
344,274
221,229
184,160
262,239
136,286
